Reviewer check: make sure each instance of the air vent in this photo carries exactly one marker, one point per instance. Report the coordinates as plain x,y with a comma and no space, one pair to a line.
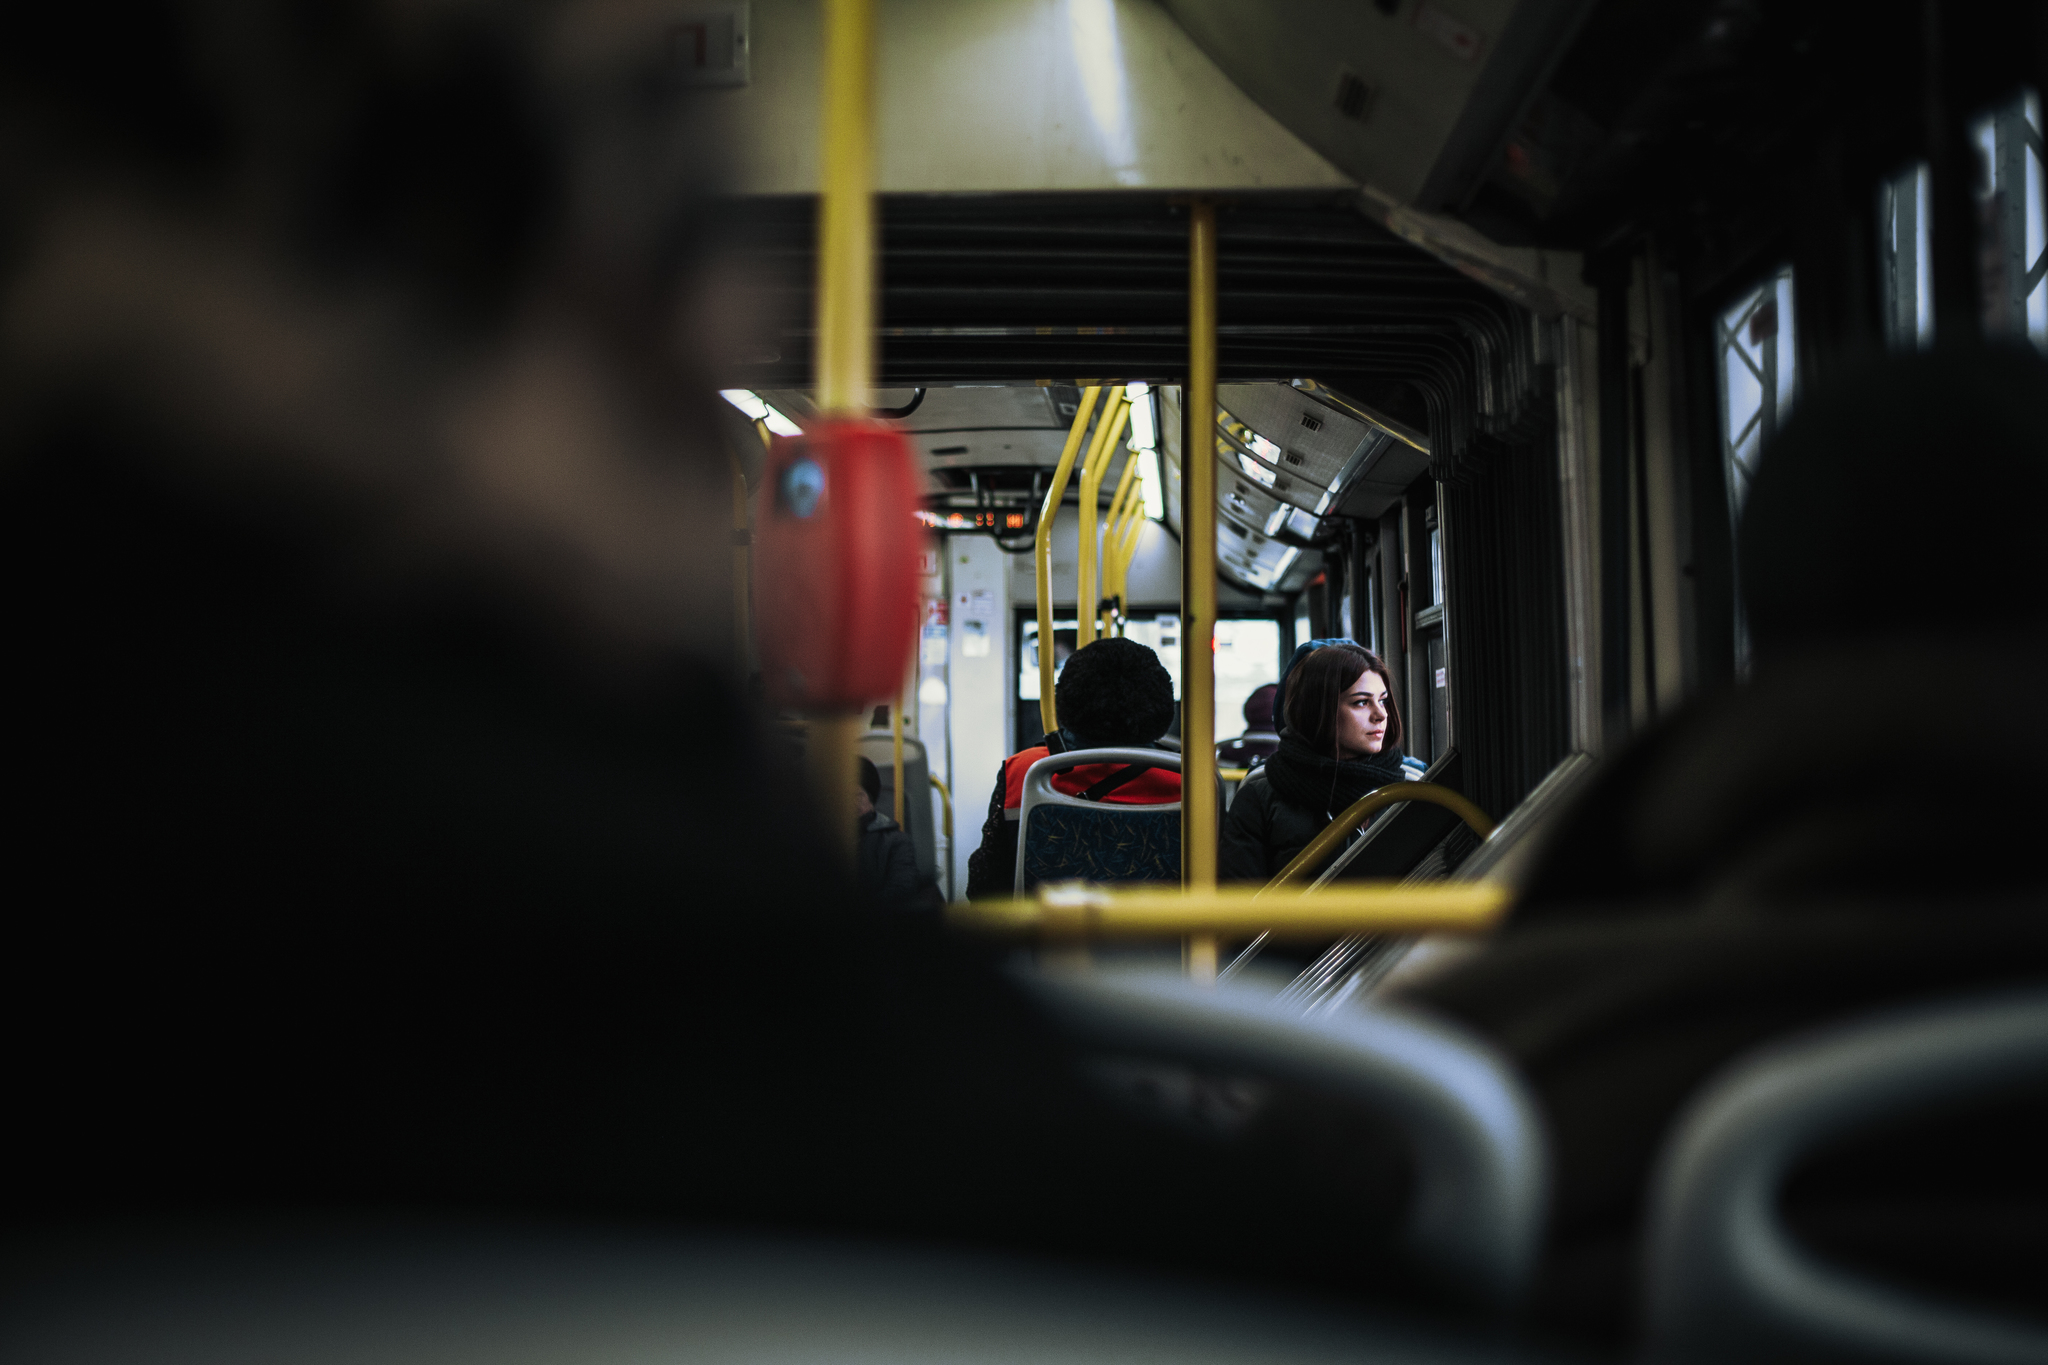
1295,457
1354,97
1313,423
950,450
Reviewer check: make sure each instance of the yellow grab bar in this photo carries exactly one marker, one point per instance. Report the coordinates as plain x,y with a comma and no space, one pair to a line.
1087,584
1199,798
896,782
1232,774
1080,910
945,801
1326,843
1042,549
1110,589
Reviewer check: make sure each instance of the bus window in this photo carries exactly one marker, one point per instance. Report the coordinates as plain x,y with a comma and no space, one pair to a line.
2008,141
1904,277
1247,658
1759,376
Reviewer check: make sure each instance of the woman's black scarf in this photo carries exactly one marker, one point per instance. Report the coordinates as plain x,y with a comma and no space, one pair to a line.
1318,782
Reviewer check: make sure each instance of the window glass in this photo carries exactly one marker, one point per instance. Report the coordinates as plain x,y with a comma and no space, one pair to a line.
1759,376
1903,259
2009,188
1436,565
1247,658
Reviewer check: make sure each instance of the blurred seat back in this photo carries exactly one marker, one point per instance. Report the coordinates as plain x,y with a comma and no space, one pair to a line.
1480,1162
1725,1278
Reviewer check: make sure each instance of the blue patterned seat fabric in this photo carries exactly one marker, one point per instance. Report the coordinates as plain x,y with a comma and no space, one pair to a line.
1104,844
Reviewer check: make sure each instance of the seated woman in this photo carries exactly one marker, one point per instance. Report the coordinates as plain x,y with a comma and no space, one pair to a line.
1340,738
1112,694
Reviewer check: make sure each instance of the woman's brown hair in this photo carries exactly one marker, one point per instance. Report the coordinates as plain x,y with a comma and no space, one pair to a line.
1317,685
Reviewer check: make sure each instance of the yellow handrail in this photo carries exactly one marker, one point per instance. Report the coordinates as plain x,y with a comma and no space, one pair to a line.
1127,541
1079,910
945,801
842,356
1087,590
896,782
844,348
1198,811
1233,774
1042,549
1113,564
1354,815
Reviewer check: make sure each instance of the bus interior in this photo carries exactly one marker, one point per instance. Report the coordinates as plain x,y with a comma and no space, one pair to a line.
465,465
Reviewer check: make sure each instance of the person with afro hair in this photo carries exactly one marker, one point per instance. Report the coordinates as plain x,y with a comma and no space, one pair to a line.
1112,694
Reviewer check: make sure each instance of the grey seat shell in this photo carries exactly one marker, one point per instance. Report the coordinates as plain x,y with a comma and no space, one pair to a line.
1100,823
1481,1161
1725,1281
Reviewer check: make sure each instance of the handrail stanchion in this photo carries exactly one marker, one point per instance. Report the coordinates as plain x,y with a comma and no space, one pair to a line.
1042,551
1087,582
1393,794
1198,583
1074,912
896,780
843,352
1112,539
1128,534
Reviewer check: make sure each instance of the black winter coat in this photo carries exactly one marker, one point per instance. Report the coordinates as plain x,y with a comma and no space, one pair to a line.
885,864
1282,805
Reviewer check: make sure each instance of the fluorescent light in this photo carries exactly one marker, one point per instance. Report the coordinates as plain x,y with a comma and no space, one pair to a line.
1256,471
1148,483
932,691
1277,520
749,402
1144,432
1280,569
1265,447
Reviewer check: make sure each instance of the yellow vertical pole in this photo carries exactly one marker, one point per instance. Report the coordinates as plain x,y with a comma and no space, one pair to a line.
896,757
842,358
1087,585
1128,531
1198,581
1112,523
844,349
1042,552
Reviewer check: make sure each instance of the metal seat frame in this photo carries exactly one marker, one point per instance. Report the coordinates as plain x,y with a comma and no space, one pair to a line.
1039,791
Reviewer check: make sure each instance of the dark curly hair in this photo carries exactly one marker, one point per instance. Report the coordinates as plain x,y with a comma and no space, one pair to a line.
1115,691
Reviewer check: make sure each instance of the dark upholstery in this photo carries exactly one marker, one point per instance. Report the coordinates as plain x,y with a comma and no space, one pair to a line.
1106,844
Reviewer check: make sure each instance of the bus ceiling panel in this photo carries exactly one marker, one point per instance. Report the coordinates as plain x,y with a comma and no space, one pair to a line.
1377,89
1311,444
999,449
1307,289
1008,96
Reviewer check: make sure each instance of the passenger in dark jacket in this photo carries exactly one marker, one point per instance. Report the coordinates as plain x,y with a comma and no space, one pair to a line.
885,863
1113,694
1342,739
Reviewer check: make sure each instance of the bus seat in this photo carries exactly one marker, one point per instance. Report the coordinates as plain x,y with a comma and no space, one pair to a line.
1069,838
1726,1280
875,745
1480,1161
